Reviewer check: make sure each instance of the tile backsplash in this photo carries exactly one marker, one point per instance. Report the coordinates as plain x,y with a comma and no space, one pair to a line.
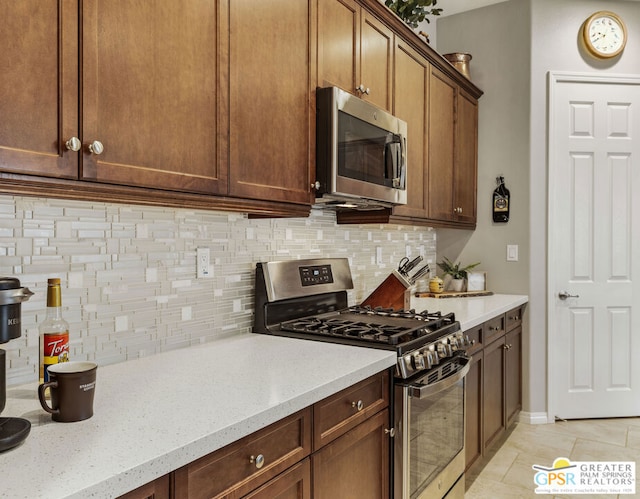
129,286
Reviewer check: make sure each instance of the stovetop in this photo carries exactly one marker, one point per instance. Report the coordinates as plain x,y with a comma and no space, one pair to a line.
400,330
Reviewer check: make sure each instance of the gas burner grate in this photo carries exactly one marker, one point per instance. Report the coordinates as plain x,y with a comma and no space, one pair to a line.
374,332
425,315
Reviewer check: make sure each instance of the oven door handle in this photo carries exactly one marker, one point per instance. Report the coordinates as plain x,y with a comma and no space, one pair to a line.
423,391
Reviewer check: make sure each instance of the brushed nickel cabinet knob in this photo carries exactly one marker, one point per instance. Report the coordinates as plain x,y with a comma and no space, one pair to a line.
73,144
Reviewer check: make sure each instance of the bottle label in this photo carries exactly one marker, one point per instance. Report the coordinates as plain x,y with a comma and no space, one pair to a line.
56,350
500,203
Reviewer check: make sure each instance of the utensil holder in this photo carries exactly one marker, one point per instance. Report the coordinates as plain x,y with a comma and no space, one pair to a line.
392,293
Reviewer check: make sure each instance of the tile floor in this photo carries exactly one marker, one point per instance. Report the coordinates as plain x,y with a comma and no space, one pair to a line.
508,473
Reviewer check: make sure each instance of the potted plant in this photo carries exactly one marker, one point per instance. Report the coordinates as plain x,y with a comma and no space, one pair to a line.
413,12
458,274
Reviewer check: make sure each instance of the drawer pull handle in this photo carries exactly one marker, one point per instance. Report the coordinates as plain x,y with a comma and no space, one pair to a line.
358,405
514,318
507,347
391,432
258,461
494,328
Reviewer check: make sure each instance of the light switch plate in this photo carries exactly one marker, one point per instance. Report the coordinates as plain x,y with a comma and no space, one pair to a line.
512,252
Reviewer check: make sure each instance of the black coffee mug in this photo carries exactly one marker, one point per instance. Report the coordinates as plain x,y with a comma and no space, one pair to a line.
72,386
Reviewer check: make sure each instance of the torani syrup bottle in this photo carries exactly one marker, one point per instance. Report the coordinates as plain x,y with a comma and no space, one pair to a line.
54,331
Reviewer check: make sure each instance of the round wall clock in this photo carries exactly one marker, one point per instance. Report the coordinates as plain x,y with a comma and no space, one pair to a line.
604,34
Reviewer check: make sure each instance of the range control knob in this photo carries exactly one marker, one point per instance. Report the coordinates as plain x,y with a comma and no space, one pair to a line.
445,350
428,358
455,343
417,361
435,357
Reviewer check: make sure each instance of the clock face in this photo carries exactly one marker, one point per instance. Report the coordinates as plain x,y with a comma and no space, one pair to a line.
604,34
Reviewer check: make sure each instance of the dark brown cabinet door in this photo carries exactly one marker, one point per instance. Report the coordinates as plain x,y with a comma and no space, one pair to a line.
473,409
151,94
410,105
513,374
442,102
376,61
271,107
355,51
295,483
39,87
338,44
493,387
465,178
356,464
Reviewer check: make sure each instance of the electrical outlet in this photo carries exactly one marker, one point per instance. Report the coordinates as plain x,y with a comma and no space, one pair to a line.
202,263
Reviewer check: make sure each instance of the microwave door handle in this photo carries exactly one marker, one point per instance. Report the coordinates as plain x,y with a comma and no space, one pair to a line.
403,163
393,153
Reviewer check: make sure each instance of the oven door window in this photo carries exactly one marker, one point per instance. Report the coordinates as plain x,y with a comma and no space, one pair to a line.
366,152
436,435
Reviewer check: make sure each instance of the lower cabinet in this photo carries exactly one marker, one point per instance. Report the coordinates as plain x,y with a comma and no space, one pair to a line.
295,483
494,383
473,410
339,447
356,464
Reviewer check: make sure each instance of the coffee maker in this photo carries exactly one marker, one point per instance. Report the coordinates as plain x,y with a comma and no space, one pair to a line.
12,430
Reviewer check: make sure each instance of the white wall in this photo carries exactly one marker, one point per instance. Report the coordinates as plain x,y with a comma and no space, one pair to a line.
128,272
491,35
500,67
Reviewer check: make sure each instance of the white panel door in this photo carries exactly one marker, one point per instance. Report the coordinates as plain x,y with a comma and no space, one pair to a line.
594,246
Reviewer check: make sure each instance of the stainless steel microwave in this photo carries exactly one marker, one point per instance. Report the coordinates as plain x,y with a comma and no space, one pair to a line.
361,153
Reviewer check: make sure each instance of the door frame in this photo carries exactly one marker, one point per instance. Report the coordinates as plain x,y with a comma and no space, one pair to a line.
555,78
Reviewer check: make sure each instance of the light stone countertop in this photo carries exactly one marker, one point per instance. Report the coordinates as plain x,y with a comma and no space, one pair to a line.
155,414
471,311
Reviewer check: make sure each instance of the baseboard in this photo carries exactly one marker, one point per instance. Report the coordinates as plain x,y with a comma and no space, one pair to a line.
533,417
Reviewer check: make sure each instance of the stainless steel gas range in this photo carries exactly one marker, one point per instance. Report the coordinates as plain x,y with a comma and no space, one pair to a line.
307,299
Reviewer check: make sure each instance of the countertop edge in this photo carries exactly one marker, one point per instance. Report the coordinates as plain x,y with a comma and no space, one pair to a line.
518,300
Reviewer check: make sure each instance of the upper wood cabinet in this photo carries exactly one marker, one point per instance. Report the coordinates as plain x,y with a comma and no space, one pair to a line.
167,102
151,94
355,51
440,107
466,163
453,152
441,140
271,110
39,87
410,103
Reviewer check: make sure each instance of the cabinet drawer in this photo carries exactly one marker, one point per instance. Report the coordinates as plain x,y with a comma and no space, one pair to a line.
336,415
514,318
475,337
493,329
233,470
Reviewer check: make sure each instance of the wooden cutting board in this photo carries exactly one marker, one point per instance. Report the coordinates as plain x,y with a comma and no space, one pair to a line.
454,294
